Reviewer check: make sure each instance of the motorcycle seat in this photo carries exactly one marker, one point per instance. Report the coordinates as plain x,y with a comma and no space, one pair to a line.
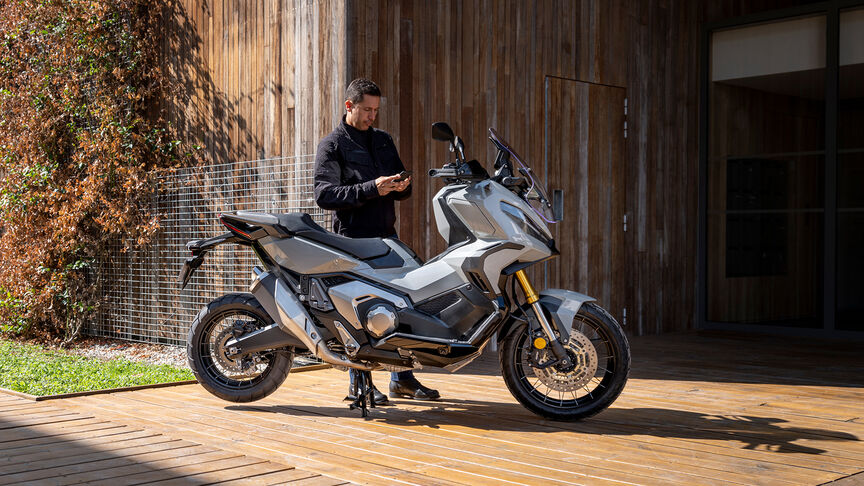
301,224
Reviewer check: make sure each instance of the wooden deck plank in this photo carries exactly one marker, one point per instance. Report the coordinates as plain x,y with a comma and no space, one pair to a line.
280,477
570,461
72,450
845,401
245,472
594,452
22,404
151,444
329,442
19,437
113,471
337,466
727,408
293,392
101,462
192,473
530,419
317,481
537,434
809,426
424,452
689,415
426,380
68,448
30,422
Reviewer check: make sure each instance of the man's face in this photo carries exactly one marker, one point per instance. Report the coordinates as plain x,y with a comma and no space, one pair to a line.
361,115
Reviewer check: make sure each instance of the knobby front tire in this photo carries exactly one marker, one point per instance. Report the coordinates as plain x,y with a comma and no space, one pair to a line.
602,355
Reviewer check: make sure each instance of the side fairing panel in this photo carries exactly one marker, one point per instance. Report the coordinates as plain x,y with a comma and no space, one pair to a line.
419,283
308,257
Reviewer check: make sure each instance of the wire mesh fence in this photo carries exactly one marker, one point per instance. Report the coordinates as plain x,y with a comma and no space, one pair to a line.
141,297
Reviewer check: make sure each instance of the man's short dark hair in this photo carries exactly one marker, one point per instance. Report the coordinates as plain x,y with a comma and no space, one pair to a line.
360,87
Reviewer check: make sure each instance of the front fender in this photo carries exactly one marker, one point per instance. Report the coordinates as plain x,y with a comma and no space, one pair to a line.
562,305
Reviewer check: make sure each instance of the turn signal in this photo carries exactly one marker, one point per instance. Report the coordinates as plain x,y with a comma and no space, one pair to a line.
539,343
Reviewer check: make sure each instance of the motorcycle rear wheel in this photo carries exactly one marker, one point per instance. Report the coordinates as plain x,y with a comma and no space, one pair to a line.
234,378
601,354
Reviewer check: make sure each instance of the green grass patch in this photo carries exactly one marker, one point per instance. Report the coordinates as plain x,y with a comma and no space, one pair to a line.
31,369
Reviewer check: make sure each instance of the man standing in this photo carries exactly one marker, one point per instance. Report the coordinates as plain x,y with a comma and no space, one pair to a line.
357,174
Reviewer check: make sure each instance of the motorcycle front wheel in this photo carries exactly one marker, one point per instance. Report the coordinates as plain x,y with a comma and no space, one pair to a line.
601,362
236,378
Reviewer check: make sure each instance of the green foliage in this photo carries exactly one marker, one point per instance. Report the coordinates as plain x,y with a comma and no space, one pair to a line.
31,369
82,142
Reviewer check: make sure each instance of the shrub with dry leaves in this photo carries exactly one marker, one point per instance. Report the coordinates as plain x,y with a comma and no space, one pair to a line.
82,143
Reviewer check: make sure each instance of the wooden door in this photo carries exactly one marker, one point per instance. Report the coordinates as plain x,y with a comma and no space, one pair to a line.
584,156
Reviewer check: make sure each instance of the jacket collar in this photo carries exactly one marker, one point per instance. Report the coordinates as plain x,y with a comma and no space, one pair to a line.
353,134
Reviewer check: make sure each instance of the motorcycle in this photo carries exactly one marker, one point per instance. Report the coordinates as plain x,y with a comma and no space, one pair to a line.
371,303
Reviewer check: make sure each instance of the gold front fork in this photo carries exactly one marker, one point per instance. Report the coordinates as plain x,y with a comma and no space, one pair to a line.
533,299
526,287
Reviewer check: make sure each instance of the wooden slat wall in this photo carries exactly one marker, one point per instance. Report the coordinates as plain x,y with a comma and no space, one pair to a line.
266,79
255,80
585,143
483,63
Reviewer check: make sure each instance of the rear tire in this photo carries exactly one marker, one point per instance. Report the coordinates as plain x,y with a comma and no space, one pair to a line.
236,379
601,355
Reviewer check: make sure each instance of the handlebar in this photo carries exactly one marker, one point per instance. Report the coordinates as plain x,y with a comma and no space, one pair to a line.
443,172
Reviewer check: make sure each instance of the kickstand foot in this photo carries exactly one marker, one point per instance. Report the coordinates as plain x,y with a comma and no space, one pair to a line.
363,390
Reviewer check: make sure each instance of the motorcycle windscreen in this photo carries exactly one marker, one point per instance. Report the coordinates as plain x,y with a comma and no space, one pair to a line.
536,195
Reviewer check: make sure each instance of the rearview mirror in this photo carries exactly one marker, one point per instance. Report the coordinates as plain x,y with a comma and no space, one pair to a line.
442,131
558,204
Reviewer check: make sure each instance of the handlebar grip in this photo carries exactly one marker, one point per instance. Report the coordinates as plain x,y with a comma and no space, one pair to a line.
442,173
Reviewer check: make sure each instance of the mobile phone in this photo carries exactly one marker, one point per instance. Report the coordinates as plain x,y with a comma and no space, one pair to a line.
403,175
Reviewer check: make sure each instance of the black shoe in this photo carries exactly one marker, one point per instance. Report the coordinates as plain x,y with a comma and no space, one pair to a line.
378,397
411,388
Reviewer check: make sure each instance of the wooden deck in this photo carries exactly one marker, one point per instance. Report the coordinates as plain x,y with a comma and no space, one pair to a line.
706,408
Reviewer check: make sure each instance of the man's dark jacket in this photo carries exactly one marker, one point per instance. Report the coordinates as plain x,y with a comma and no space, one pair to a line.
346,165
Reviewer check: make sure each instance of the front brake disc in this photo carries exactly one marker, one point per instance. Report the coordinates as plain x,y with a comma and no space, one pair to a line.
584,357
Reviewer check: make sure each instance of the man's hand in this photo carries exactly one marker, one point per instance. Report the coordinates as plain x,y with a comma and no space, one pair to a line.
388,184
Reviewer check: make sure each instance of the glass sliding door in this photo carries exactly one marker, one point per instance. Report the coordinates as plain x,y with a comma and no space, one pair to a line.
765,173
850,173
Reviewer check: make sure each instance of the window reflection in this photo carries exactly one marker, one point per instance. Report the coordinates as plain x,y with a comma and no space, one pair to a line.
850,173
766,173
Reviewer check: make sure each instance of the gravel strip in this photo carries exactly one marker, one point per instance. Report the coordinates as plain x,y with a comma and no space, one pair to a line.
107,349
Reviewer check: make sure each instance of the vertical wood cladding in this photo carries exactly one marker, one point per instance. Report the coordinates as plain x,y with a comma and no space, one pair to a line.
258,79
266,78
483,64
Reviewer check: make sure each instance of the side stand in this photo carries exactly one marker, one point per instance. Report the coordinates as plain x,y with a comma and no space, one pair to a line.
363,390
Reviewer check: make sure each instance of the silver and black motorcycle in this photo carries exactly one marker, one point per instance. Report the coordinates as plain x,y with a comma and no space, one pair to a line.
371,303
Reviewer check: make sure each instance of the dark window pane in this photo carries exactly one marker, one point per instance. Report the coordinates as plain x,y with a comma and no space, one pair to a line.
850,174
766,174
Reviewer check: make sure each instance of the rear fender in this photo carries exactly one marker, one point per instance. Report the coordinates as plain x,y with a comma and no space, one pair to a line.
199,249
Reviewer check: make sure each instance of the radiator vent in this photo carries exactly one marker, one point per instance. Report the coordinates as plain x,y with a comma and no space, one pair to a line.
478,281
437,304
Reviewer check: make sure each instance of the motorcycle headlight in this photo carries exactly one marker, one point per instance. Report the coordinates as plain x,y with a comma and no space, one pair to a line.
523,221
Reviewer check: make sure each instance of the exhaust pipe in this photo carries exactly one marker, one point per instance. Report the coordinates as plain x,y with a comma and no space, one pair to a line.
284,307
